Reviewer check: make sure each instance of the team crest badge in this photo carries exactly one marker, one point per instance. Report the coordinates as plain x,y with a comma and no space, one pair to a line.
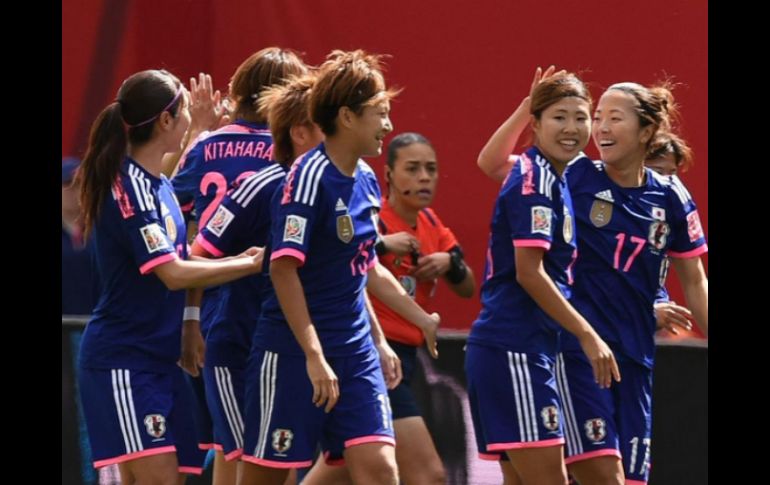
596,429
170,227
658,234
282,440
409,284
550,417
568,229
345,228
155,424
601,213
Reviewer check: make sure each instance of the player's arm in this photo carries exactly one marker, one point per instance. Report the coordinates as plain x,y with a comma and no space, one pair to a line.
291,297
696,289
382,284
531,275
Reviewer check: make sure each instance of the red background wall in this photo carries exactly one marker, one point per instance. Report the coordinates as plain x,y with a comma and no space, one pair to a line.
464,66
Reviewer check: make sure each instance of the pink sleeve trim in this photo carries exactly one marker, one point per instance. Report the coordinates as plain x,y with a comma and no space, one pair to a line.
135,455
293,253
690,254
531,243
592,454
208,246
149,265
276,464
192,470
525,444
635,482
370,439
205,446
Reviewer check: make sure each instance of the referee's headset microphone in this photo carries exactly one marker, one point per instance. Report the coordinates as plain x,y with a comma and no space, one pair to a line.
393,184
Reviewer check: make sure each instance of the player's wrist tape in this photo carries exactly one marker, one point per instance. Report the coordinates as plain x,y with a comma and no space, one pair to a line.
192,313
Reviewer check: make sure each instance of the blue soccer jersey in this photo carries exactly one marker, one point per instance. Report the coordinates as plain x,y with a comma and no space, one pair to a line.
241,220
533,209
625,235
327,221
217,160
137,321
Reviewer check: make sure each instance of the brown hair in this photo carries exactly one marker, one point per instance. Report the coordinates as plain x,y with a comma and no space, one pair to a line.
664,143
556,87
286,106
654,106
130,119
353,79
261,70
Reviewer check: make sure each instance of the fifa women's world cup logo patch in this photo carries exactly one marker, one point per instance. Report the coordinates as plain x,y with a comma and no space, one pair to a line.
282,440
294,229
541,220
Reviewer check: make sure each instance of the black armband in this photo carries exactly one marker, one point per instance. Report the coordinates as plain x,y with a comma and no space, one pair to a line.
379,247
457,268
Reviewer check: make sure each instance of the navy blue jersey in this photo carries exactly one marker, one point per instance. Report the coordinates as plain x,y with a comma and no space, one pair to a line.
209,169
327,221
137,321
241,220
216,160
624,237
533,209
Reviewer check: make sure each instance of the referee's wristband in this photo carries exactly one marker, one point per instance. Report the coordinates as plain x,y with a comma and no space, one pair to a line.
380,248
192,313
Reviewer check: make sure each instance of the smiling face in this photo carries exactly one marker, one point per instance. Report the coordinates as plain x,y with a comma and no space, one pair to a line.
618,134
563,129
371,126
414,176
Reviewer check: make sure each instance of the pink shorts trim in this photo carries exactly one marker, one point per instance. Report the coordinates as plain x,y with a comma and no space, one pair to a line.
234,454
592,454
525,444
276,464
192,470
135,455
370,439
